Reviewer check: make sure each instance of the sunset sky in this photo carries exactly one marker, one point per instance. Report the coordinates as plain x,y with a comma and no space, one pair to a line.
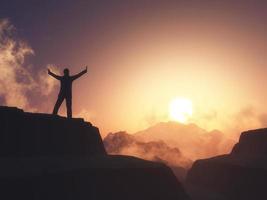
141,55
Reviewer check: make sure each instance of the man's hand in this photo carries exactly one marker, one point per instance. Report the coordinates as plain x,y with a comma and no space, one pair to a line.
80,74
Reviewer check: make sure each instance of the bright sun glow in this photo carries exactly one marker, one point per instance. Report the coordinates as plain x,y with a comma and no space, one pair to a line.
180,109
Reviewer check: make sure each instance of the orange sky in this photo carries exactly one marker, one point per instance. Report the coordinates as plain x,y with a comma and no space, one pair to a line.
216,59
141,57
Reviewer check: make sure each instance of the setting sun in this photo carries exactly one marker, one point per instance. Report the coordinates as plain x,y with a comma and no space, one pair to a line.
180,109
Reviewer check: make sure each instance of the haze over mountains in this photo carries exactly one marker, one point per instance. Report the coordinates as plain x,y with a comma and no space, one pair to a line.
194,142
122,143
191,141
239,174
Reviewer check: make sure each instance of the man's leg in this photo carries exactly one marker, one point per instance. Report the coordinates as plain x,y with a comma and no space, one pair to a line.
60,99
69,109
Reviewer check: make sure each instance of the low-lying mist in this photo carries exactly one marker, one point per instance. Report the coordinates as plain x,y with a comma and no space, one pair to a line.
172,143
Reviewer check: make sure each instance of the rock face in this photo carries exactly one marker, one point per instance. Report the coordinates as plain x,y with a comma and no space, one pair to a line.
46,157
252,143
29,134
240,175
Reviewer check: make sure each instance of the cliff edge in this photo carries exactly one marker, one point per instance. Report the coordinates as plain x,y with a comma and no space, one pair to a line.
45,157
242,174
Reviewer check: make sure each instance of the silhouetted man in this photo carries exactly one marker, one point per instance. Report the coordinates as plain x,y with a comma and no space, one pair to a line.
65,89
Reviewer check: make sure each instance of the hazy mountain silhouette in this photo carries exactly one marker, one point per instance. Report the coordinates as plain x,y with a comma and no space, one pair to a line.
123,143
193,141
46,157
242,174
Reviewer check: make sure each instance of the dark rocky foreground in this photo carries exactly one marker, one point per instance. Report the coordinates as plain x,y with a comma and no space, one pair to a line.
44,157
240,175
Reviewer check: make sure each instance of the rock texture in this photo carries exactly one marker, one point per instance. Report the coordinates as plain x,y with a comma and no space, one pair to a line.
46,157
252,143
240,175
31,134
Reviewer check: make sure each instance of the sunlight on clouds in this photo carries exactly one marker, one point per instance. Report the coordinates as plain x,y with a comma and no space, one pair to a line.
47,83
12,55
16,78
86,114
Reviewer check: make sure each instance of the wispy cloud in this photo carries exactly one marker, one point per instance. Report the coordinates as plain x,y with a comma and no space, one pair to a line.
17,79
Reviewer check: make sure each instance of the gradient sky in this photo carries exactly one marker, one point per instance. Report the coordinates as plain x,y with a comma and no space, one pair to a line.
142,54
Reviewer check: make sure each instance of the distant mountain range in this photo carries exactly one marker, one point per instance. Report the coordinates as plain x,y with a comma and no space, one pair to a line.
122,143
172,143
193,141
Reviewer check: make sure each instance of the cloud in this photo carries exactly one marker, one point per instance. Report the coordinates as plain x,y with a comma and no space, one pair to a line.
263,119
12,56
87,115
248,117
18,81
47,84
212,115
127,144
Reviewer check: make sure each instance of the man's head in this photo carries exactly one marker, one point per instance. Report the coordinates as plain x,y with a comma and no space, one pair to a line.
66,72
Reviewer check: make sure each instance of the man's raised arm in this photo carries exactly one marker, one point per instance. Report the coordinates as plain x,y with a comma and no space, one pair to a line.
80,74
54,75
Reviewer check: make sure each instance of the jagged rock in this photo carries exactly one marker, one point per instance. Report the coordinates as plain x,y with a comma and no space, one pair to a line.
252,143
46,157
31,134
239,175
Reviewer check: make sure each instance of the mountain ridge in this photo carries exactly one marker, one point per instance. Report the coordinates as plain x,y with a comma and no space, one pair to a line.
46,157
193,141
122,143
240,174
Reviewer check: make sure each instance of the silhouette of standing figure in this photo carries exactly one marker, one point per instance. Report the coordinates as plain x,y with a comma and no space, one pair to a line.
65,89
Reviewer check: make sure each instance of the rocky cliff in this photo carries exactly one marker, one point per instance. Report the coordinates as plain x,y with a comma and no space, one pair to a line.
45,157
30,134
252,143
240,175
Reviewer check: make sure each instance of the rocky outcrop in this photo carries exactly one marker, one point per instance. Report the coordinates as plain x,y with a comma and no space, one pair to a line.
46,157
96,178
252,143
30,134
240,175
